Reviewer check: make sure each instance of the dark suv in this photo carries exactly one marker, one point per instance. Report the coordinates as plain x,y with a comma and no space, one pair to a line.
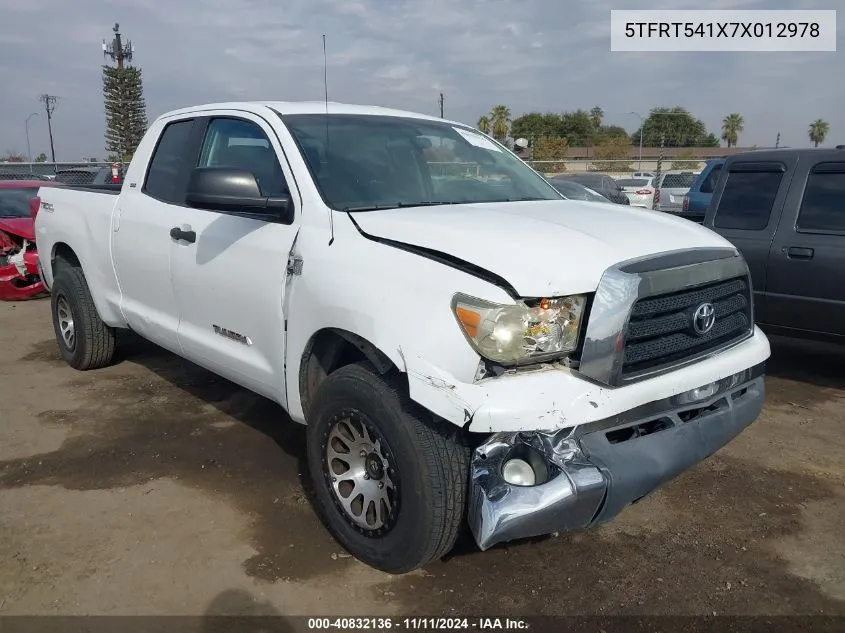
785,211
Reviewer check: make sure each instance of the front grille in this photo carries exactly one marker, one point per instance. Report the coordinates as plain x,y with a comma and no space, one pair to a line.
661,331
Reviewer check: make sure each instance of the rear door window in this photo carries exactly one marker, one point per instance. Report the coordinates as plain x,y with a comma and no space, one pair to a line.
748,197
167,160
823,206
709,184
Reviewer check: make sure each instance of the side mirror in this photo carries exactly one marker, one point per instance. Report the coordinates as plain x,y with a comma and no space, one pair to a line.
236,191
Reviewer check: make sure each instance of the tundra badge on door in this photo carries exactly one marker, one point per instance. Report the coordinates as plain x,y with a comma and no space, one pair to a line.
240,338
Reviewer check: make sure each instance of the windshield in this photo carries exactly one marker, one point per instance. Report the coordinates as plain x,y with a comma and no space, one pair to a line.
632,182
14,203
678,181
365,162
76,177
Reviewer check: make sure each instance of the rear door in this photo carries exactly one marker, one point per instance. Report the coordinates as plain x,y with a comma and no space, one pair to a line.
141,243
805,288
746,209
230,282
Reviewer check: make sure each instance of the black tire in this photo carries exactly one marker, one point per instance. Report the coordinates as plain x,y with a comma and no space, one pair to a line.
430,457
93,342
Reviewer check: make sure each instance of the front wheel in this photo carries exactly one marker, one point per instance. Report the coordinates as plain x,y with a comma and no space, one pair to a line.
390,481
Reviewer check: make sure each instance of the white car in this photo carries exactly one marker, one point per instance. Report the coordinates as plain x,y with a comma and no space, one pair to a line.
470,347
640,191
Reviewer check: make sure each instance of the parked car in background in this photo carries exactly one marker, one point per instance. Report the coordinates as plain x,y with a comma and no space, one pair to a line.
785,211
99,175
670,187
697,199
19,276
600,183
642,174
640,191
558,360
572,190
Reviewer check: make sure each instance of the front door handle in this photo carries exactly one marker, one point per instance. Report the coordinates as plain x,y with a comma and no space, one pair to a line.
799,252
184,234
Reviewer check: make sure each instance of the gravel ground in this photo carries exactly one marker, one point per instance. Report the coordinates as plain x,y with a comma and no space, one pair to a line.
153,487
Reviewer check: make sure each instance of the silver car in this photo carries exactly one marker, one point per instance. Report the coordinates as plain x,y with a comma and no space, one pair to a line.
640,191
670,188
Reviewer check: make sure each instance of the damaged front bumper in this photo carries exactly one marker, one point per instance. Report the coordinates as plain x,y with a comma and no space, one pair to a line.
586,475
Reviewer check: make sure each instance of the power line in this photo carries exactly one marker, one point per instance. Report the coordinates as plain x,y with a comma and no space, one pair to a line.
49,102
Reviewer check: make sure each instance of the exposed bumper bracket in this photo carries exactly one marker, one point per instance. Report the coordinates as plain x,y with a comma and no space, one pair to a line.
590,473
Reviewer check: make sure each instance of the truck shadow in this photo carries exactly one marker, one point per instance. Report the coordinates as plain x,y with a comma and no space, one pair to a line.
819,364
238,610
255,411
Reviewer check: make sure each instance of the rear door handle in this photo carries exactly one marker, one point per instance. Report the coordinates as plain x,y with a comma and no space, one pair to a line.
183,233
799,252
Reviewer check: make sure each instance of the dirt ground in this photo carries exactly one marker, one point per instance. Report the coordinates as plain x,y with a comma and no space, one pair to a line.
153,487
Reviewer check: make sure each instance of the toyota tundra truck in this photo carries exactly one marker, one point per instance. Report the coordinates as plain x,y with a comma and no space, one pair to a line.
463,344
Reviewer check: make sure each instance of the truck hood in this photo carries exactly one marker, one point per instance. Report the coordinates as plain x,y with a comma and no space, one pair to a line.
22,227
541,248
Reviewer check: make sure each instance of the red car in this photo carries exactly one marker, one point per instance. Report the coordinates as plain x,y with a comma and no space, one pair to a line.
19,277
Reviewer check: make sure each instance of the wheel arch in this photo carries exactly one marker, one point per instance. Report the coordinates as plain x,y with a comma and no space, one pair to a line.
63,254
328,350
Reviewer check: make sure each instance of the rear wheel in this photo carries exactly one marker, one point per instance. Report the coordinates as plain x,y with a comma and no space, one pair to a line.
85,342
390,480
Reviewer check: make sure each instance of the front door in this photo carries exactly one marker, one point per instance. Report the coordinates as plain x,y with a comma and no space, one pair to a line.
230,281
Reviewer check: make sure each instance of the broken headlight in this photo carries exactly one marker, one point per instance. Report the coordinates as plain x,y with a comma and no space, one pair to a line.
525,332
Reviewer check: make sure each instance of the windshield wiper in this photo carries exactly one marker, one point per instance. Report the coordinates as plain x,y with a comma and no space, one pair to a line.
398,205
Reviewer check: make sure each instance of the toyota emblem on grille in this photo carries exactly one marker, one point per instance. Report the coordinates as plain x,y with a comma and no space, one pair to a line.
703,318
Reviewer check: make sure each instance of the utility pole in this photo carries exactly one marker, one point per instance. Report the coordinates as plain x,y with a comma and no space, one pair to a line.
441,105
117,50
49,102
28,147
777,141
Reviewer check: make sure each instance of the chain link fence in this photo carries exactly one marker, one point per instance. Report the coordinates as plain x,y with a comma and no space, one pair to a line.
101,173
616,168
81,173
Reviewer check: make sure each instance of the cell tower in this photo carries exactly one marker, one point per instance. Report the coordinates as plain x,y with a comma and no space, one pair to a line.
118,51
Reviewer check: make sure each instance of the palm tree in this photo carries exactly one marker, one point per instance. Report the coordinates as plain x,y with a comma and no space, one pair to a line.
732,125
818,131
596,116
500,121
483,124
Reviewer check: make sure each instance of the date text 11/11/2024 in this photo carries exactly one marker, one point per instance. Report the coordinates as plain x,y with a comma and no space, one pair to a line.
417,623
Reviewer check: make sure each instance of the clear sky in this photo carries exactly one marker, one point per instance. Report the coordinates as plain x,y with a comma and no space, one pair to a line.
546,55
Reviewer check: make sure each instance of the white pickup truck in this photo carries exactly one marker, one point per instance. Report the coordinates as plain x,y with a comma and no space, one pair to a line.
462,343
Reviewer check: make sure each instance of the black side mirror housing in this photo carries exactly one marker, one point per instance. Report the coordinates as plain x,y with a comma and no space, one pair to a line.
236,191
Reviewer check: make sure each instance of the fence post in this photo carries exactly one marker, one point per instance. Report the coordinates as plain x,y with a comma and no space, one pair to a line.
656,199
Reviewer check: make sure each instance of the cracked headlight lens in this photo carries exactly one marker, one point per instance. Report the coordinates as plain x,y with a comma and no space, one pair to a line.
528,331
